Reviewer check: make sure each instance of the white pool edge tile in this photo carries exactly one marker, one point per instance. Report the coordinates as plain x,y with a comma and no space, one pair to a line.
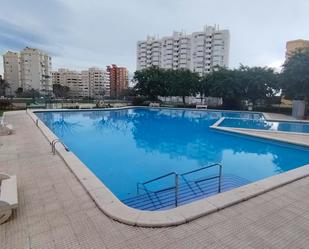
216,125
109,204
248,132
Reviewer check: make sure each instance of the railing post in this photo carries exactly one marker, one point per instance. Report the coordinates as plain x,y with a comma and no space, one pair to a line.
220,173
53,143
53,146
176,189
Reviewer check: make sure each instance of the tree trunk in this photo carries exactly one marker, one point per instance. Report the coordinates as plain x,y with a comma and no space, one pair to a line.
184,100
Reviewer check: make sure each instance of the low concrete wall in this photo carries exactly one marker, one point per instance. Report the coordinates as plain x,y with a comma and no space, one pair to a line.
298,110
20,105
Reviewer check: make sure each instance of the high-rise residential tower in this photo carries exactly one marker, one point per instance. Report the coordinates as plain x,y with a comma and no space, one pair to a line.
118,80
200,51
28,69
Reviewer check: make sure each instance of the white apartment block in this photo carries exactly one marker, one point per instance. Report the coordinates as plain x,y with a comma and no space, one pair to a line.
93,82
28,69
200,52
11,64
98,81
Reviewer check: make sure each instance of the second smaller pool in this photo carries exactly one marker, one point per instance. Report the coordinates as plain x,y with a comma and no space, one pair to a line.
292,126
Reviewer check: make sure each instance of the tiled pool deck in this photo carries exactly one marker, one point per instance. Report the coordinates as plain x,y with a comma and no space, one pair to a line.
56,212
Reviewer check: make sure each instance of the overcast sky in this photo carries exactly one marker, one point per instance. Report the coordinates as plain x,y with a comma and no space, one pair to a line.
83,33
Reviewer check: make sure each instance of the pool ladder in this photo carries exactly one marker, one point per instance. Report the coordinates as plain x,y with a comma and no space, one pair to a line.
53,145
175,187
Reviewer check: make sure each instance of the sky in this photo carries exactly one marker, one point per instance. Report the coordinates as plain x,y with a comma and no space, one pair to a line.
79,34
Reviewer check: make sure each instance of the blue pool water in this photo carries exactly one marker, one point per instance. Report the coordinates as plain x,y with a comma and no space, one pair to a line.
266,125
125,147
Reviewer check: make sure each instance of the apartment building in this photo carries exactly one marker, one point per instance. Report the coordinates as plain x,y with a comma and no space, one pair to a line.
118,80
294,46
200,51
28,69
71,79
93,82
99,82
11,64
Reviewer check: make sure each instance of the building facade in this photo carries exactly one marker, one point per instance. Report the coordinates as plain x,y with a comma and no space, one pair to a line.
294,46
28,69
119,80
11,64
91,83
200,51
99,82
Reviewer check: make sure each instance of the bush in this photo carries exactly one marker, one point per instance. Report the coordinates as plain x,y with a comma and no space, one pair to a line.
72,107
185,106
139,100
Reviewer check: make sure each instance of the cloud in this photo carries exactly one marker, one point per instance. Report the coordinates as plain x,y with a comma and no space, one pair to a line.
79,33
15,37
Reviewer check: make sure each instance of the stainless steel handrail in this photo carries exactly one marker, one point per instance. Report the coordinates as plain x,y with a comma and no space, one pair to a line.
205,167
158,178
53,145
209,178
176,185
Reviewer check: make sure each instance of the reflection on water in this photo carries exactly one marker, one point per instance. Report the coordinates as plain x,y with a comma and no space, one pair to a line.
124,147
266,125
293,127
60,123
246,123
64,126
104,123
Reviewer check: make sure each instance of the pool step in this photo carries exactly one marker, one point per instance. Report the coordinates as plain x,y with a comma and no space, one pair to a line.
188,192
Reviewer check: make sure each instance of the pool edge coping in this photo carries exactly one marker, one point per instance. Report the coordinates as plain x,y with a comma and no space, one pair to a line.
248,132
217,124
110,205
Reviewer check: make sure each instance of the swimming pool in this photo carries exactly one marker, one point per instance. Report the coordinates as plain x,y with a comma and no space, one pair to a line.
127,147
286,126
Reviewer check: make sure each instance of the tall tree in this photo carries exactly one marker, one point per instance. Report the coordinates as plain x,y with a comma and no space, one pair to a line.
60,91
183,83
204,87
3,86
151,82
258,83
295,76
19,92
225,84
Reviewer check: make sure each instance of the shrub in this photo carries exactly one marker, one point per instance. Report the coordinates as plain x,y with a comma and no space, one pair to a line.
139,100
